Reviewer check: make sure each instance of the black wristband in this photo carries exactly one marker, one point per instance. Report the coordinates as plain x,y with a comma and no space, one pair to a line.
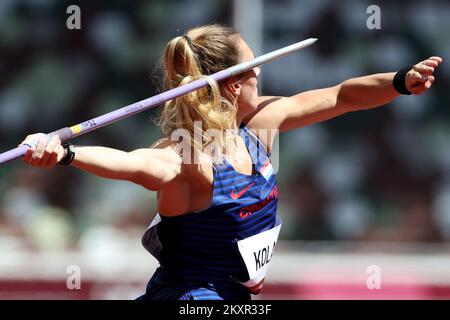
70,155
399,80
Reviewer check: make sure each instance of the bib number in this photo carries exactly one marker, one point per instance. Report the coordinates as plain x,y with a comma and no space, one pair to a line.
256,251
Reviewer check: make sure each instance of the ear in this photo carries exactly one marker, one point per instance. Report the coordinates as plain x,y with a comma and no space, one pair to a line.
233,86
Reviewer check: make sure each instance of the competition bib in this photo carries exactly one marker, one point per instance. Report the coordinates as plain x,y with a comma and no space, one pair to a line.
150,240
256,251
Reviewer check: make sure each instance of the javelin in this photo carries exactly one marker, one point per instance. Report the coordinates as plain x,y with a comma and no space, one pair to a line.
68,133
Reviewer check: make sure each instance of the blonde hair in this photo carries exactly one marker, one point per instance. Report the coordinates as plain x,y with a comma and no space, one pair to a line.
201,52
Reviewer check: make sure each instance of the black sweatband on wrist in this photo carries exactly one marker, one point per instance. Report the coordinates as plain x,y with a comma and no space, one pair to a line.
70,154
399,80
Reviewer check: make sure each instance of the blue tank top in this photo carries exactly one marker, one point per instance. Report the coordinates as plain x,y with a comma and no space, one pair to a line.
203,246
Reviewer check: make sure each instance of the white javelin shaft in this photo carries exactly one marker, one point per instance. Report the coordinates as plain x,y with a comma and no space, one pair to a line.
245,66
67,133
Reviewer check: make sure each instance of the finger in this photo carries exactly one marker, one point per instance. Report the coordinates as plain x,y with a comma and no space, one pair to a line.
40,147
31,140
24,141
52,160
38,154
49,152
429,83
436,58
420,88
415,84
417,77
430,63
27,157
60,150
424,69
45,157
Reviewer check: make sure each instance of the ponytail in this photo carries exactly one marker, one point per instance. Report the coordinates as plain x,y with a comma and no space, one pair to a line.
198,54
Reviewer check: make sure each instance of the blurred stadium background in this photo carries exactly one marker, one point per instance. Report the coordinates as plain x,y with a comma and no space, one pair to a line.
367,188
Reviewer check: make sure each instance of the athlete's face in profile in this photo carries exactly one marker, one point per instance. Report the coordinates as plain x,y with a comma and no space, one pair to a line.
248,94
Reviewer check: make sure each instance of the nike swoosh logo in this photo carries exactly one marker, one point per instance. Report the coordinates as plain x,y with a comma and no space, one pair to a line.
240,193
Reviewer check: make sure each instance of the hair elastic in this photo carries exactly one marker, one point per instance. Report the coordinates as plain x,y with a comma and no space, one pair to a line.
188,39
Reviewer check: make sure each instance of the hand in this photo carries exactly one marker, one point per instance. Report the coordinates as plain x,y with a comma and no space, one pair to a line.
46,154
419,79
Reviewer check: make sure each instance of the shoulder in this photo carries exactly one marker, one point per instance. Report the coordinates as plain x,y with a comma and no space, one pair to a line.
268,113
194,164
265,120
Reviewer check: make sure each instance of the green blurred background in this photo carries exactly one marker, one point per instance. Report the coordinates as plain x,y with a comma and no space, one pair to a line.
373,176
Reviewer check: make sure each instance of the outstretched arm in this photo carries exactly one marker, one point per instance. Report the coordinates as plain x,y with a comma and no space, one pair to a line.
151,167
288,113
